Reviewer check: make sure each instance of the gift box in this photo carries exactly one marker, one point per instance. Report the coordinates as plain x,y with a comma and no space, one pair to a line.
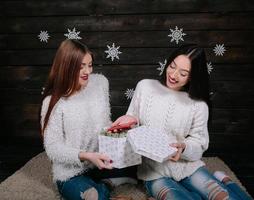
151,143
116,146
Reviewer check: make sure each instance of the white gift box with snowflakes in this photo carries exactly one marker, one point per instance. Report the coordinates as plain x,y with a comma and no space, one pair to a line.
151,143
119,150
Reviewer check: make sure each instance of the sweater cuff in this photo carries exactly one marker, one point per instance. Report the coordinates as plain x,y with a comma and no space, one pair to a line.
75,156
137,124
187,152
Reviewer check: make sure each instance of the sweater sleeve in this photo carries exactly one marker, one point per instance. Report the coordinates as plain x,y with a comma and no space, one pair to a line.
198,138
54,144
134,106
105,87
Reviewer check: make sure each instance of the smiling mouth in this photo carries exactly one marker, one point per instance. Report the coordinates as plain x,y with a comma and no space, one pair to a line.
172,81
84,77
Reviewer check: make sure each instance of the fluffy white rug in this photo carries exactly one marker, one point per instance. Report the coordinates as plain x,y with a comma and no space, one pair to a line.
34,181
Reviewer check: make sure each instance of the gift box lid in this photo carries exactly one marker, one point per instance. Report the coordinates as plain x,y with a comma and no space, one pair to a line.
151,143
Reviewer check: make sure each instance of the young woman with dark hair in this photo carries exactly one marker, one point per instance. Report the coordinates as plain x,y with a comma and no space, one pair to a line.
178,106
198,87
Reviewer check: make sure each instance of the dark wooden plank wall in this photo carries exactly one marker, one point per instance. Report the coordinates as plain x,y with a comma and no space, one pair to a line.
140,28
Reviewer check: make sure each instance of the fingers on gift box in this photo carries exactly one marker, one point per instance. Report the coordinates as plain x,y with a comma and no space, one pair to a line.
116,146
120,127
151,143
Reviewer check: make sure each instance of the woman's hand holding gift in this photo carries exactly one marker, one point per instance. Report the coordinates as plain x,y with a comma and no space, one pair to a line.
122,123
180,147
100,160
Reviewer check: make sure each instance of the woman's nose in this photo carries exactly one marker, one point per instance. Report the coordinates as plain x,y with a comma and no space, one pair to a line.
175,74
86,70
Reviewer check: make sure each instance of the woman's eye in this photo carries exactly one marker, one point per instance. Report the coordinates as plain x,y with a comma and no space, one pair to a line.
184,75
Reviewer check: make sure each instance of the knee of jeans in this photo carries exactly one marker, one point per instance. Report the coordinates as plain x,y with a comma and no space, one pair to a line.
89,194
163,193
215,191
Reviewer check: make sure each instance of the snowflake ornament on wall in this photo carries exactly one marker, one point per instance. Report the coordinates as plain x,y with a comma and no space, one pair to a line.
129,93
162,66
43,36
73,34
177,35
219,49
209,67
113,52
42,90
212,95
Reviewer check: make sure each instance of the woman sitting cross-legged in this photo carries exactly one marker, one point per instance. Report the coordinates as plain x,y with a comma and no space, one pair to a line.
75,109
179,106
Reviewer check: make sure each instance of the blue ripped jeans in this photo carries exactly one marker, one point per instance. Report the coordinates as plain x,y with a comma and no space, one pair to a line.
200,185
73,188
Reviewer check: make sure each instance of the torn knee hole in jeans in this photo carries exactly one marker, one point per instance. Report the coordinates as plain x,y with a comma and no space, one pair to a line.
215,191
162,194
90,194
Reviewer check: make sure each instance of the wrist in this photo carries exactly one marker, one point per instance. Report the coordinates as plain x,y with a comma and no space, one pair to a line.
84,156
134,118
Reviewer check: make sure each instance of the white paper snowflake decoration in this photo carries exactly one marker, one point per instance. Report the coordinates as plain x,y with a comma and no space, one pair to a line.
162,67
43,36
113,52
73,34
212,95
209,67
42,90
177,35
129,93
219,49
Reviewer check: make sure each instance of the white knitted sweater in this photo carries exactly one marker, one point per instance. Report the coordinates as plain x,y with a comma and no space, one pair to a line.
182,118
74,125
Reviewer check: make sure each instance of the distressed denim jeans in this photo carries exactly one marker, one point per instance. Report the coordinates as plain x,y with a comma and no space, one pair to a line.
200,185
73,188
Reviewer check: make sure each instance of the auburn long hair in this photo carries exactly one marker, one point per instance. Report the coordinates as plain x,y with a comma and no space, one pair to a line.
63,79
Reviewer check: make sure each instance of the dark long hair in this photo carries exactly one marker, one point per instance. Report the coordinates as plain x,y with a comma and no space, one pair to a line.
63,79
198,85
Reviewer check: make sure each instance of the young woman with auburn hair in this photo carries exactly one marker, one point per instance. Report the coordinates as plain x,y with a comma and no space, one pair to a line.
74,110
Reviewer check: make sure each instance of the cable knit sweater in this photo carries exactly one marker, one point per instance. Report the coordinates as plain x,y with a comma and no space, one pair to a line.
74,125
182,118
